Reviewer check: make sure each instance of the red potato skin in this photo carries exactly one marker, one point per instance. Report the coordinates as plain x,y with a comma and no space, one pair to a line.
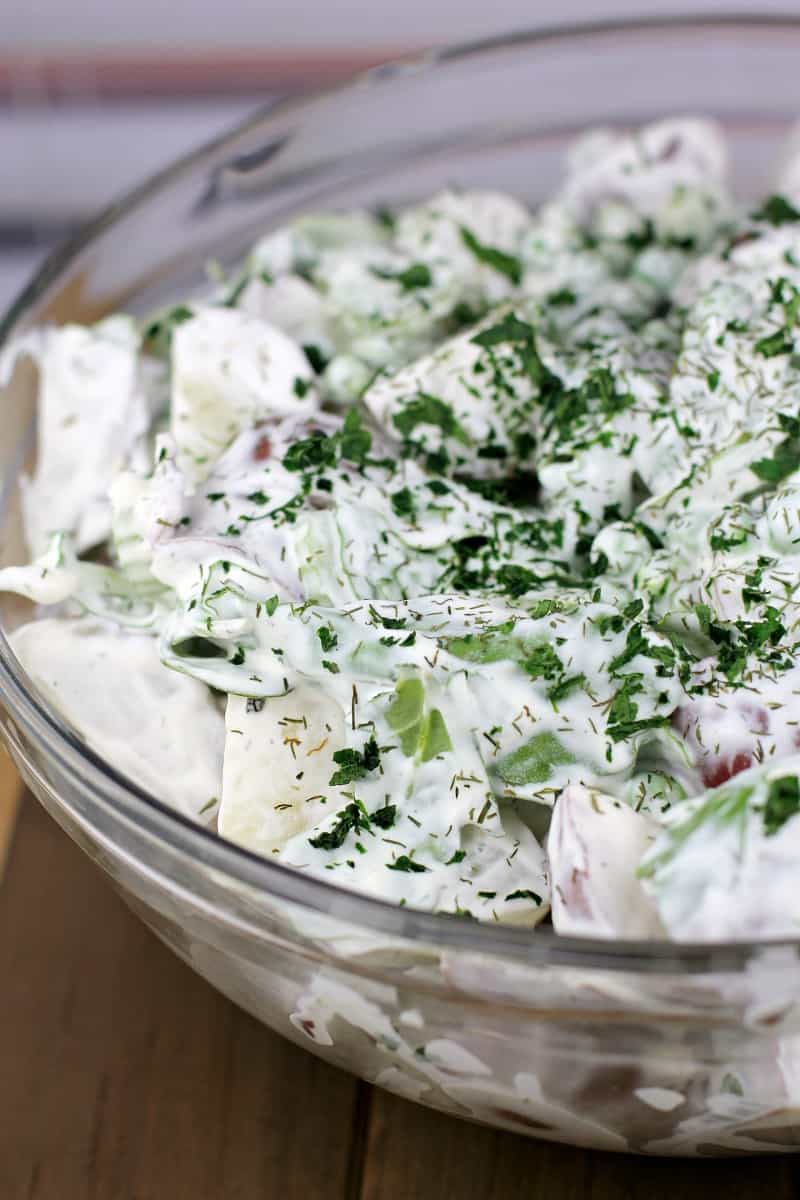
717,767
262,449
722,769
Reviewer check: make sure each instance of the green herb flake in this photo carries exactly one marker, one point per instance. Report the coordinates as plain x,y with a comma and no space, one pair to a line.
384,817
565,687
403,502
328,639
311,453
355,442
351,818
435,739
563,297
783,802
355,764
418,275
774,344
524,894
317,358
777,210
404,863
424,409
535,761
404,715
506,264
158,331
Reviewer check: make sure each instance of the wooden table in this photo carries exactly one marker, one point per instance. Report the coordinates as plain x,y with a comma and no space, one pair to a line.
124,1076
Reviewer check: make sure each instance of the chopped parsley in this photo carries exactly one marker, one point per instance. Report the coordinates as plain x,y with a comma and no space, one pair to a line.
418,275
783,802
777,210
384,817
355,764
524,894
506,264
423,409
355,442
327,638
317,358
351,819
403,503
404,863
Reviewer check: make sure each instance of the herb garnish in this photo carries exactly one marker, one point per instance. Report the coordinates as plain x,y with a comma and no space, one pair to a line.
404,863
777,210
783,802
355,764
498,260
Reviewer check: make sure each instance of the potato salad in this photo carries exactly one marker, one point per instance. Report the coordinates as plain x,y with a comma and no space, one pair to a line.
452,553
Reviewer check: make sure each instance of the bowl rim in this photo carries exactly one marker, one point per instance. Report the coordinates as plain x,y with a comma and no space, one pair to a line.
199,844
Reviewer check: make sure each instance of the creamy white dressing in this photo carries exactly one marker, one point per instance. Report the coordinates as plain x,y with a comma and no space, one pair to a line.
482,529
229,371
93,414
162,729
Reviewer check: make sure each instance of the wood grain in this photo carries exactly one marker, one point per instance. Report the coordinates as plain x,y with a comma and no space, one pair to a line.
124,1077
9,802
414,1152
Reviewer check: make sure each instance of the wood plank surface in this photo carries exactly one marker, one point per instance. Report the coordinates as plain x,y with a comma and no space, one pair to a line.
124,1076
412,1152
9,802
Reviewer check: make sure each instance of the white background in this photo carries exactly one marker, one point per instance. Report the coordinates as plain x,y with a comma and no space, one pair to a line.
275,24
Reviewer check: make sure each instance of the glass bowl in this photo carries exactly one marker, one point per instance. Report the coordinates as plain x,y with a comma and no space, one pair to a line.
651,1048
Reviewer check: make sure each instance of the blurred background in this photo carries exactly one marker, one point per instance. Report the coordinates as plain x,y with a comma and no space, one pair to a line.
97,94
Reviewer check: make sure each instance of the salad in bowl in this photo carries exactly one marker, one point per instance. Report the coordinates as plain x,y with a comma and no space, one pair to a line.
451,553
398,603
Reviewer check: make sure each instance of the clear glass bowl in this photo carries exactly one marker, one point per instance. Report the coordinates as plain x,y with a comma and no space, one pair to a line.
650,1048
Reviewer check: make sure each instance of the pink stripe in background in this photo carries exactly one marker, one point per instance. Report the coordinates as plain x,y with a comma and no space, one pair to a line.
110,76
